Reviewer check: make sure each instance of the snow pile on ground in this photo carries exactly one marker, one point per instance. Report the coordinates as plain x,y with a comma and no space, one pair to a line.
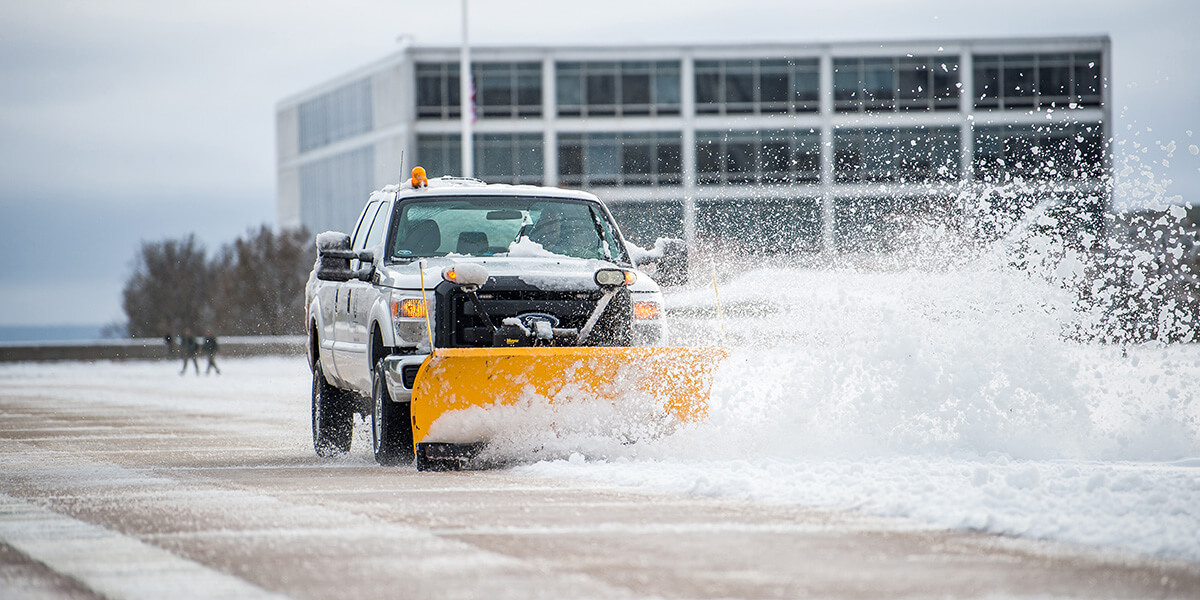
958,395
950,398
848,362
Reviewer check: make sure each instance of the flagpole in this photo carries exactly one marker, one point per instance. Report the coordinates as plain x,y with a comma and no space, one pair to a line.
467,100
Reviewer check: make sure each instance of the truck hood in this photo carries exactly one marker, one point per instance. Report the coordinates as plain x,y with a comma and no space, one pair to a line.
551,274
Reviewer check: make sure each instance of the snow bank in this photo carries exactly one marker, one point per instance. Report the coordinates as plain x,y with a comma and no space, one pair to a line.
952,397
858,363
963,386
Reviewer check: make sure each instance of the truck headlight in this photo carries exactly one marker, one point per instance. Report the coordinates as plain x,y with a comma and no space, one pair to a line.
644,310
409,321
409,308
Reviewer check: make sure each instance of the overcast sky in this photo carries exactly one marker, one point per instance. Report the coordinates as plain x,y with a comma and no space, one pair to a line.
128,121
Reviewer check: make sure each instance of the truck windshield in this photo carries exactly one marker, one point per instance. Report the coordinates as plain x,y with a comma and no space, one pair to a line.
490,226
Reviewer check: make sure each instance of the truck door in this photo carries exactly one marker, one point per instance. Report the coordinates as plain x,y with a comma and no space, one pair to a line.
343,336
363,296
327,297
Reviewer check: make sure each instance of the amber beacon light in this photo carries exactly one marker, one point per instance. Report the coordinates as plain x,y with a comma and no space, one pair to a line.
419,179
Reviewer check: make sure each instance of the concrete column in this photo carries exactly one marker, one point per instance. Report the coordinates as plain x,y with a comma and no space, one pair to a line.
687,112
966,96
466,104
827,157
550,118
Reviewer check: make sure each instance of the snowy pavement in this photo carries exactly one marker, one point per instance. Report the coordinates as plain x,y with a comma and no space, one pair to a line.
209,484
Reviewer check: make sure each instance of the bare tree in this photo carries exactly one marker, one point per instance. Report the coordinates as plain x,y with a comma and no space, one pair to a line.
259,289
168,290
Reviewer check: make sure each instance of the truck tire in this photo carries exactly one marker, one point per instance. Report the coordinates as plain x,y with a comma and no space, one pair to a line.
391,425
332,416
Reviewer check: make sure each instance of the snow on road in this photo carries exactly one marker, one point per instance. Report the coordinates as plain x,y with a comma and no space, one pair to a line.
957,396
1087,447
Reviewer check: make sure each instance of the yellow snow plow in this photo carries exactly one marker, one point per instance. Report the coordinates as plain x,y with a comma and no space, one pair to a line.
464,398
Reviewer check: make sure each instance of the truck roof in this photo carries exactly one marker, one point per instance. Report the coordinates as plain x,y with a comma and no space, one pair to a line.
460,186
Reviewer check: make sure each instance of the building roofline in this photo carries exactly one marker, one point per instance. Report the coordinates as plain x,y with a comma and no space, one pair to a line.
815,44
397,56
406,49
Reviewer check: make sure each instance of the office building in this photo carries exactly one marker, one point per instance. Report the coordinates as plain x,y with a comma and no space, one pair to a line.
786,147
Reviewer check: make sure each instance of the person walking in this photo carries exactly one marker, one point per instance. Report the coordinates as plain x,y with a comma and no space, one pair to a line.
210,348
188,344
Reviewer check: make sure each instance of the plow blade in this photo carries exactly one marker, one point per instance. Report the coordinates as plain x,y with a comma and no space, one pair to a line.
464,397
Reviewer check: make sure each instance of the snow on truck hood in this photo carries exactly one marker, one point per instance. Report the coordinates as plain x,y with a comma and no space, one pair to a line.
543,272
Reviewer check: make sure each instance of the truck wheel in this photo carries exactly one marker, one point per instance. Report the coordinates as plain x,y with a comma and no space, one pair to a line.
332,416
391,425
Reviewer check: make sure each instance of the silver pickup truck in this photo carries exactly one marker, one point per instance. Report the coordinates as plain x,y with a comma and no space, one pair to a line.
457,263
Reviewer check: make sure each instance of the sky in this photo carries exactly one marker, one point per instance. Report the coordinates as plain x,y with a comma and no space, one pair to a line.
126,121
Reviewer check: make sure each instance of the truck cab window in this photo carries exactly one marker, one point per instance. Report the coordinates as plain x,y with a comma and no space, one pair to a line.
362,237
488,226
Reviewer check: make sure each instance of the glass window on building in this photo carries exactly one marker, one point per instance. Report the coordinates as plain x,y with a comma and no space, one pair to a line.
899,155
440,154
337,115
438,91
608,88
879,224
516,158
760,86
896,83
1017,76
508,90
1027,81
764,157
502,90
509,157
638,158
1046,153
864,224
759,226
334,190
642,223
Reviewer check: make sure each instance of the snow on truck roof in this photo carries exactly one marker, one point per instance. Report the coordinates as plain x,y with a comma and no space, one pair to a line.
448,185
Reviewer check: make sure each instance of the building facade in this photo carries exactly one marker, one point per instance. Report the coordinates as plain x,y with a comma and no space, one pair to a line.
771,147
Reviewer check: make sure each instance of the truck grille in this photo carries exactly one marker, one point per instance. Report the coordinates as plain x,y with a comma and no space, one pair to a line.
572,311
572,308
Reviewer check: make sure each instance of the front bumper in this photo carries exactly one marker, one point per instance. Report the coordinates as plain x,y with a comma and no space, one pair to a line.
400,371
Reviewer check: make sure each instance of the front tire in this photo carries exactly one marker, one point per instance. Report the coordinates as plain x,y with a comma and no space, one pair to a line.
332,416
391,425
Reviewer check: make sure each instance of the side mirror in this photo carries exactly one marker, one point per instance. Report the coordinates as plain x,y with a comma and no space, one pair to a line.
334,256
673,266
666,262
